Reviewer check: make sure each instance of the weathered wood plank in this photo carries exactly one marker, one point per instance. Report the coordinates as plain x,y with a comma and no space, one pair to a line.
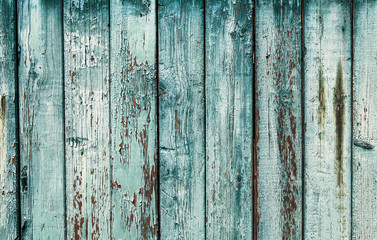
278,113
86,54
41,119
364,188
229,119
181,95
328,119
8,124
134,119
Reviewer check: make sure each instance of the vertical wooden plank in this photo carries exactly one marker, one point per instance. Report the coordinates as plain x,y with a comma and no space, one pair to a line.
86,54
229,119
41,119
328,119
278,114
364,188
181,111
134,119
8,124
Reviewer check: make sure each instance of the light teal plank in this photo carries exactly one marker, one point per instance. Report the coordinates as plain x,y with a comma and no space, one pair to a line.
41,119
134,119
364,188
229,119
328,119
278,115
86,57
8,160
181,102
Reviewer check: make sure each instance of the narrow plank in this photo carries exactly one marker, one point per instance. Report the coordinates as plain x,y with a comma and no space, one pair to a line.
86,55
229,99
134,119
41,119
181,112
8,124
278,114
328,119
364,188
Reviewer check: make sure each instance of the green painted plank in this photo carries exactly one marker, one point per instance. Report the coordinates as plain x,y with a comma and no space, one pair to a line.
134,119
41,116
364,188
229,110
278,116
328,119
8,124
181,112
41,119
87,136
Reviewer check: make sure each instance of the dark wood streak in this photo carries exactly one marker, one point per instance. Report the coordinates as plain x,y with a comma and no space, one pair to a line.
339,123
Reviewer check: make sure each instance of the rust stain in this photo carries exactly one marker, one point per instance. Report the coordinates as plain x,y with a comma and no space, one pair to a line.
2,137
322,100
339,124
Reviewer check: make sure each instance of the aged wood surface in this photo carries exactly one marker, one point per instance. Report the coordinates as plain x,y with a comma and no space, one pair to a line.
87,132
181,112
327,120
364,189
41,119
229,26
8,137
278,115
134,119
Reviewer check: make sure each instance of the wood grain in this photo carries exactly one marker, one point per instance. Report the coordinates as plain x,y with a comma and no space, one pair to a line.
181,112
134,120
8,122
278,114
364,189
41,119
328,120
229,119
87,132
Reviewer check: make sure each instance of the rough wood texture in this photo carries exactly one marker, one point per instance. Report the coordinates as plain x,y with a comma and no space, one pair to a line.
364,202
87,136
278,113
134,119
8,124
181,95
229,119
41,119
328,120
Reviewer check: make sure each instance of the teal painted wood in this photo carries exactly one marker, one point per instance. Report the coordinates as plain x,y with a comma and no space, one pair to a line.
8,160
278,116
41,119
87,132
229,119
364,202
134,120
328,120
181,103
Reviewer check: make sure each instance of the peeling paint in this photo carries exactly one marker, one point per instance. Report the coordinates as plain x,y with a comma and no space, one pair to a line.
339,112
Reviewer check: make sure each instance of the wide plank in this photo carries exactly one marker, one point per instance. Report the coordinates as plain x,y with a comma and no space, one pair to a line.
327,119
41,119
278,133
8,122
364,188
87,130
134,152
229,119
181,118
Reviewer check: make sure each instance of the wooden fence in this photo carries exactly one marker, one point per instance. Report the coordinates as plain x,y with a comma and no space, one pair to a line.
188,119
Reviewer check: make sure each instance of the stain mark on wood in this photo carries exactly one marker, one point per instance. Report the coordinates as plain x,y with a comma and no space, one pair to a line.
363,144
322,100
339,112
